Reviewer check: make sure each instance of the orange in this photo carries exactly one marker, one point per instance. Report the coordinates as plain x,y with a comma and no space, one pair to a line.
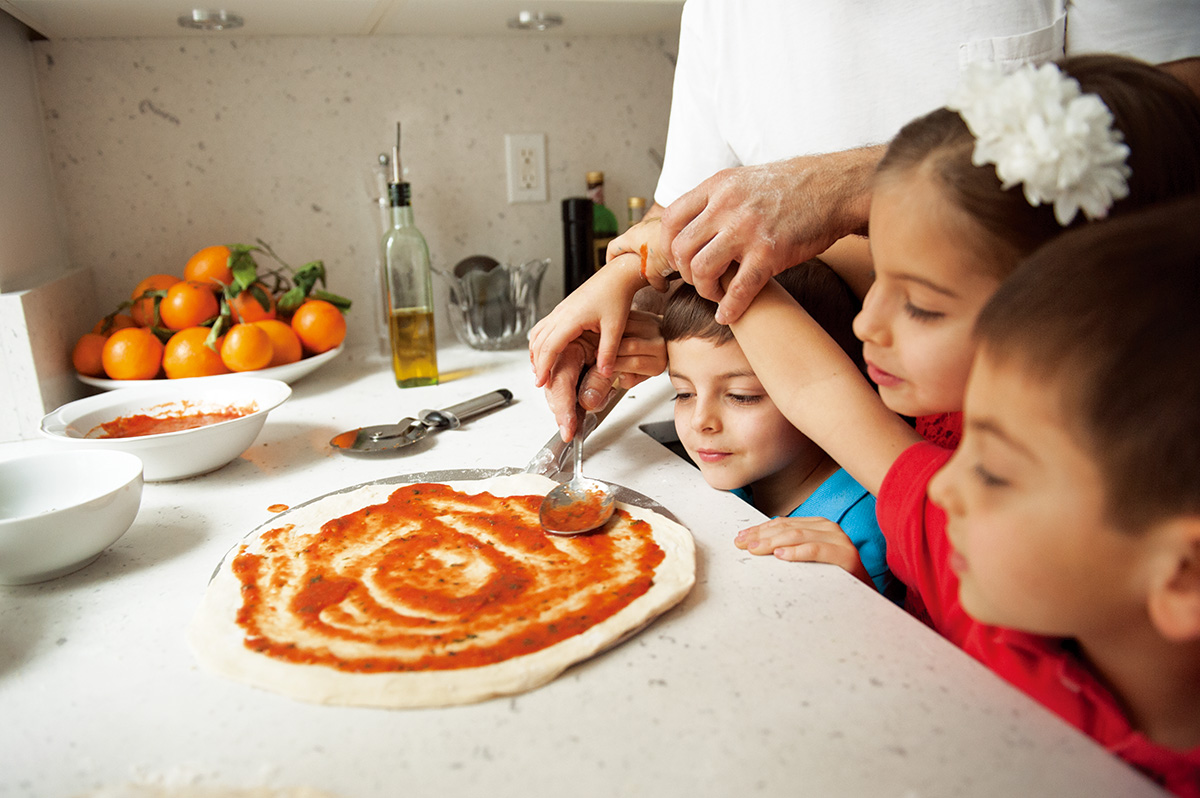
110,324
134,353
320,325
209,266
188,304
186,355
87,355
247,347
246,307
284,343
143,308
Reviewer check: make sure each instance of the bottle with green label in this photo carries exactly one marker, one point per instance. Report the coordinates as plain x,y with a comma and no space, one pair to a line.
604,221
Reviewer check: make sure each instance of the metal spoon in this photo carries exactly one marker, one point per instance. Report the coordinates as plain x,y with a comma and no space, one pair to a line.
579,505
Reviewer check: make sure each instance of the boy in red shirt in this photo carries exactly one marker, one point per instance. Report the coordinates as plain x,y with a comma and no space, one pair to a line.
1071,510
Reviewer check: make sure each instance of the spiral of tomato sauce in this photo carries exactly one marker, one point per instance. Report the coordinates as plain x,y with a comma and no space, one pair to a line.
435,579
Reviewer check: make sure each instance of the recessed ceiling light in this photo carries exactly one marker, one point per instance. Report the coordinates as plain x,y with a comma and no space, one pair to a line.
206,19
535,20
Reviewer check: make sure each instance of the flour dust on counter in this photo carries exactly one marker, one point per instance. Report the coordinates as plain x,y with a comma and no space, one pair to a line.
396,594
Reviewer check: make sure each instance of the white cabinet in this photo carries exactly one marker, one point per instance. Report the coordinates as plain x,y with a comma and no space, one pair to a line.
89,19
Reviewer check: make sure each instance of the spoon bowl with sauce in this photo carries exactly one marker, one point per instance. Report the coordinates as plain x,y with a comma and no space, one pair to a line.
579,505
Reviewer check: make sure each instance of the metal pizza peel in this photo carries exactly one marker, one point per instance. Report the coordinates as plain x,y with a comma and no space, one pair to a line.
549,461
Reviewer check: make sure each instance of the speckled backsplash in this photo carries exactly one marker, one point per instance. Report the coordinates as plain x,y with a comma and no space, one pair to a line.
162,146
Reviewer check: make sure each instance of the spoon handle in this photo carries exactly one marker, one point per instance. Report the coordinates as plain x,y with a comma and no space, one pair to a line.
578,441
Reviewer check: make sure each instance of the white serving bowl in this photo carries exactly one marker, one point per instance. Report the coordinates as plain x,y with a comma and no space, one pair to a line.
173,455
59,510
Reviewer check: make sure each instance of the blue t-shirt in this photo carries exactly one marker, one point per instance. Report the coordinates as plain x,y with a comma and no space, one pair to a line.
849,505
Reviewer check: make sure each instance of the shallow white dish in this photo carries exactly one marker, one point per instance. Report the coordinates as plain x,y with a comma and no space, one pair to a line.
60,510
173,455
288,373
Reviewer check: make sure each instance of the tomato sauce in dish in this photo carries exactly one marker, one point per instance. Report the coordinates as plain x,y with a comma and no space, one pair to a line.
137,425
435,579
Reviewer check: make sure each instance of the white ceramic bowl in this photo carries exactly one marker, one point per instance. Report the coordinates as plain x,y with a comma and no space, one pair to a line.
59,510
173,455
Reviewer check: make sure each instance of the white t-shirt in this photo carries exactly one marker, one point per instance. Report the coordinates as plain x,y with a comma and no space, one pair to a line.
761,80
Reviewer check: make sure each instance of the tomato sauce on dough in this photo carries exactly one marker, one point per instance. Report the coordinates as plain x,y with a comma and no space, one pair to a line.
435,579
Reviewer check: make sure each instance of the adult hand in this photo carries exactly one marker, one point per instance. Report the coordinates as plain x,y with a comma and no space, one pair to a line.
804,540
642,353
766,218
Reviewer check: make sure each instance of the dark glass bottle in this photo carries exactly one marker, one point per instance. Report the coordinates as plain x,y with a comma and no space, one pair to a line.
578,254
637,209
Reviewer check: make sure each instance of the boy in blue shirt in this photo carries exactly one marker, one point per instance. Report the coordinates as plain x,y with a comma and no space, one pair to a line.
740,441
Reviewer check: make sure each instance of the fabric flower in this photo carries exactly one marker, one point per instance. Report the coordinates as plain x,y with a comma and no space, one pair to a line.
1041,131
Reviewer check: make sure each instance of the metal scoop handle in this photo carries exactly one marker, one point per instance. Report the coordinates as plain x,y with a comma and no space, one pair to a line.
452,417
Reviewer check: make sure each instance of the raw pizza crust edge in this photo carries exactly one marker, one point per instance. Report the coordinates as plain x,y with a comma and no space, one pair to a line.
217,640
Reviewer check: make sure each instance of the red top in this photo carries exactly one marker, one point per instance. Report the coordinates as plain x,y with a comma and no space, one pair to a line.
1044,668
944,429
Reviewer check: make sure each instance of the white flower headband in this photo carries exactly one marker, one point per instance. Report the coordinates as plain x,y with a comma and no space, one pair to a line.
1039,129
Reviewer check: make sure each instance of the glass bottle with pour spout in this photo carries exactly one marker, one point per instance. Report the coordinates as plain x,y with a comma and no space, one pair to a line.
409,288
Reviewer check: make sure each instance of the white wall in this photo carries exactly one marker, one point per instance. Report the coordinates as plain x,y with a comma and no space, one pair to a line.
32,247
43,302
162,146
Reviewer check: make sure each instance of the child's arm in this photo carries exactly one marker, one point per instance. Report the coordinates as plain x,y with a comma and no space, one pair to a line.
805,540
819,389
601,304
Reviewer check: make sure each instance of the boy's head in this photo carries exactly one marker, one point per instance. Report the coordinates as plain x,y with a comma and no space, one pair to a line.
729,426
1074,499
945,231
813,284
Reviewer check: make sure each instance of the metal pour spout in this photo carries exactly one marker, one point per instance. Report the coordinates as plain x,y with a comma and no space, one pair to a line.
396,157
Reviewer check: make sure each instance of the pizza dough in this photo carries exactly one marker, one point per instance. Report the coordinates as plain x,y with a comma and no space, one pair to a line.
392,595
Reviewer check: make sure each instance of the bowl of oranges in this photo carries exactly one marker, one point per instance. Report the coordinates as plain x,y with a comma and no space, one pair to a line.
224,316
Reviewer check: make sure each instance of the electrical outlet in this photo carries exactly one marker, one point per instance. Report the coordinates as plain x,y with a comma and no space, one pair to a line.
525,154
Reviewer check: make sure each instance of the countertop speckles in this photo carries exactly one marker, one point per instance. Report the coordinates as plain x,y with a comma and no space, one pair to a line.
772,677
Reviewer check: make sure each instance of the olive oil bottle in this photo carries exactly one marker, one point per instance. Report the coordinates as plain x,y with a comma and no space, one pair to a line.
409,287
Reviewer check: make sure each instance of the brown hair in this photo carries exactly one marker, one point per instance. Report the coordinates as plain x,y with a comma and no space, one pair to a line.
1157,114
1108,315
812,283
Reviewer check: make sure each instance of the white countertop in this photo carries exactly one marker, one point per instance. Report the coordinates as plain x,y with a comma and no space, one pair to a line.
771,678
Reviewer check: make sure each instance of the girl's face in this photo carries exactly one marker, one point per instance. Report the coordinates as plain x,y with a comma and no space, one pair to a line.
917,318
1025,507
729,426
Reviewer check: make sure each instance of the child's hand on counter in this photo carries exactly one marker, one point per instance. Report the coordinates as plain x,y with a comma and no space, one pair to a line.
804,540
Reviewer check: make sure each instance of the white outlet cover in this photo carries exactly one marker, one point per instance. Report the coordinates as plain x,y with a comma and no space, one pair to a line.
525,157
